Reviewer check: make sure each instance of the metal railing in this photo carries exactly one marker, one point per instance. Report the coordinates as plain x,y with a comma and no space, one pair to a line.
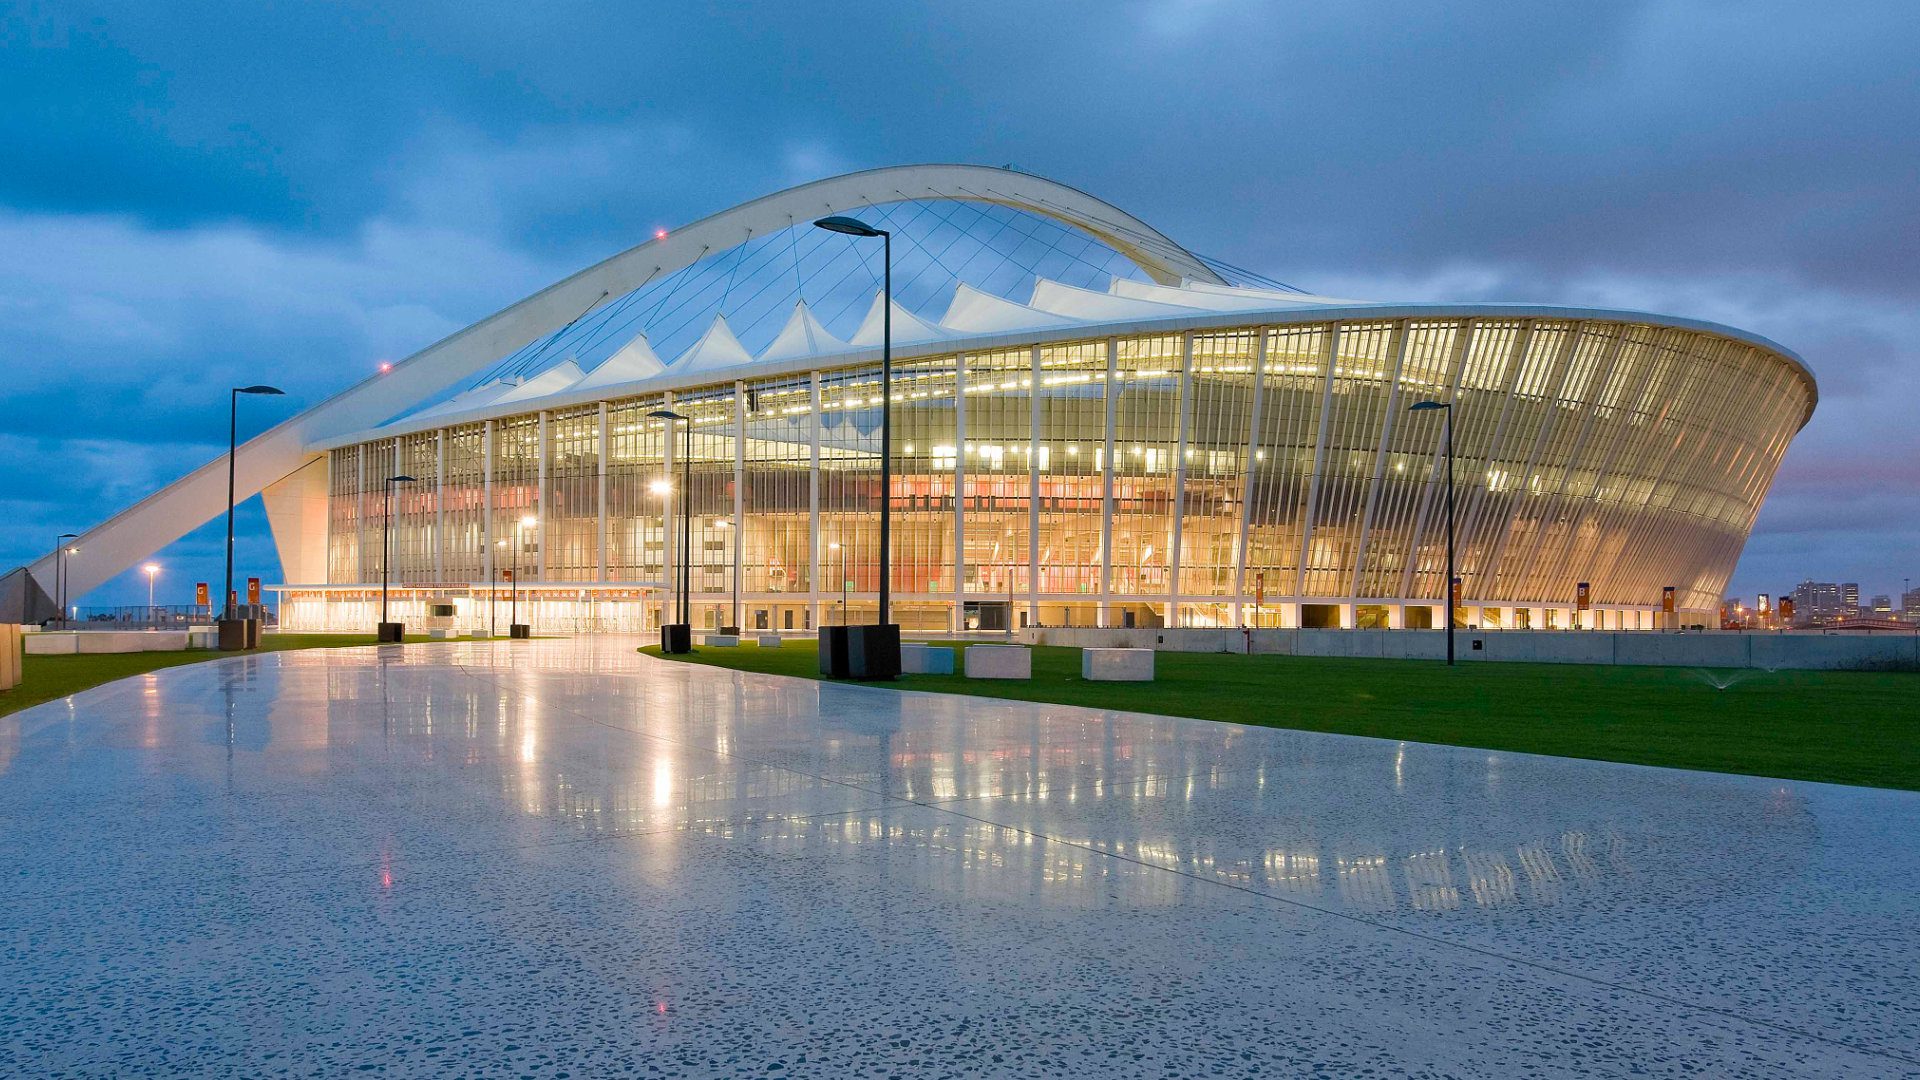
155,617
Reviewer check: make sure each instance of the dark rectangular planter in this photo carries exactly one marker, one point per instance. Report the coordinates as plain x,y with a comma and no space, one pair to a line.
392,632
833,651
676,638
233,635
873,652
519,630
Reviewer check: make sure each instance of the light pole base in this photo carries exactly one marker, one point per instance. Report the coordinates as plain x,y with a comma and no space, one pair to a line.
676,638
238,635
391,633
873,652
833,651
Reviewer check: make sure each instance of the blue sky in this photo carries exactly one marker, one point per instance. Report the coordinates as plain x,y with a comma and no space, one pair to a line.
194,195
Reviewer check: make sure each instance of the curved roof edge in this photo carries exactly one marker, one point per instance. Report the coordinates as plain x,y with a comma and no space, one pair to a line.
672,379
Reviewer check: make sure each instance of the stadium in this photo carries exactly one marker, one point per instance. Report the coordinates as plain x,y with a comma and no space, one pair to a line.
1092,426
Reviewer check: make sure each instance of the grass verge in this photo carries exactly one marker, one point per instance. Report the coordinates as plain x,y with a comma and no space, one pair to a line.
1840,727
45,678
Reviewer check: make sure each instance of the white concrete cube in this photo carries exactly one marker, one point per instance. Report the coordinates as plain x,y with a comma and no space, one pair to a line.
926,659
999,662
721,641
1116,665
770,641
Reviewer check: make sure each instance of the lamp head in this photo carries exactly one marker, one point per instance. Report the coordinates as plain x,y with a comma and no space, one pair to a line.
849,226
258,390
1423,406
401,480
666,414
660,487
151,569
529,521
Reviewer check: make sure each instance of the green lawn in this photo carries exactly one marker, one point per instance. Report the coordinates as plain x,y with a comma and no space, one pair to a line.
1841,727
48,677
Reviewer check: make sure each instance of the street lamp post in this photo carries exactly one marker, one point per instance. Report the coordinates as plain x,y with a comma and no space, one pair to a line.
516,628
234,631
151,570
733,618
1447,434
875,652
389,632
678,637
493,594
843,580
60,552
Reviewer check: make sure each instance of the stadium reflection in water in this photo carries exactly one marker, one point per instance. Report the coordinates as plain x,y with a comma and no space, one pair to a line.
555,830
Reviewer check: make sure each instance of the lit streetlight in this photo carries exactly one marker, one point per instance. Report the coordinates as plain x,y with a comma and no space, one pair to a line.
515,628
233,631
733,619
389,632
1453,583
875,652
678,637
843,580
151,570
61,551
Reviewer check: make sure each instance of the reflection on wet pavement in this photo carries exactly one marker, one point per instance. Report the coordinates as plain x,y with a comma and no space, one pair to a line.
562,857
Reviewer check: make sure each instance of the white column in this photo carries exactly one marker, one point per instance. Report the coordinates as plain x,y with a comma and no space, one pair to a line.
360,518
739,491
1180,478
540,504
1246,482
326,523
602,446
1033,494
1319,456
813,501
958,621
1106,483
486,505
1377,482
440,506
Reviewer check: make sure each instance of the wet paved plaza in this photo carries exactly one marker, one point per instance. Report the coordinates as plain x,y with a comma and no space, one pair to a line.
562,858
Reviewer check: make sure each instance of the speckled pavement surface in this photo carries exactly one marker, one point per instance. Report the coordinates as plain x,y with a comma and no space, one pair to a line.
560,858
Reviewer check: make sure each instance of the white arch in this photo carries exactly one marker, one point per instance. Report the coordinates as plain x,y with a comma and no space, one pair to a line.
170,513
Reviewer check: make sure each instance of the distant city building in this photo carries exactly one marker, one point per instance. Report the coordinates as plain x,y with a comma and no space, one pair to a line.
1910,605
1850,599
1881,605
1816,602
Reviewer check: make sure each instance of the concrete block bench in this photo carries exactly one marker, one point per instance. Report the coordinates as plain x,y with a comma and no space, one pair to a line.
1116,665
999,662
926,659
770,641
721,641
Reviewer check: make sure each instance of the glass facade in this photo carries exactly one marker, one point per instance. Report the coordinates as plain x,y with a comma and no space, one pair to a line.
1258,475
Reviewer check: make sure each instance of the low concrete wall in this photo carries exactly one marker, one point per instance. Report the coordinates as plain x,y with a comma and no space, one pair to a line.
1711,649
66,643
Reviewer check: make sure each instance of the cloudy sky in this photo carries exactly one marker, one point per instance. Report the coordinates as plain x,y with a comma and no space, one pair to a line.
194,195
